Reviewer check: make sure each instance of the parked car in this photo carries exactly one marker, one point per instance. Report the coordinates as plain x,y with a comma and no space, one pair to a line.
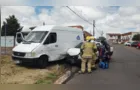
119,42
138,45
134,44
127,43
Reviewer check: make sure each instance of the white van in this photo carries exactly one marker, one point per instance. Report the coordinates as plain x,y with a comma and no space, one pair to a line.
47,43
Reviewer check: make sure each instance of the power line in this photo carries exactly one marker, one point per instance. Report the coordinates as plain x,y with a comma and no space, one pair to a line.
85,20
79,15
80,12
101,32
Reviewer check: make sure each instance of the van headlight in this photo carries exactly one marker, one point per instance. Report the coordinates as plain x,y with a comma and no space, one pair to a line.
32,54
28,54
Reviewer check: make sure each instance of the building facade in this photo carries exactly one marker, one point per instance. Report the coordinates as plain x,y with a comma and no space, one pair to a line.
116,37
113,37
128,36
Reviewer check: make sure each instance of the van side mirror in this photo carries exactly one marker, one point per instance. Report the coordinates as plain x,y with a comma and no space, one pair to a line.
19,37
19,40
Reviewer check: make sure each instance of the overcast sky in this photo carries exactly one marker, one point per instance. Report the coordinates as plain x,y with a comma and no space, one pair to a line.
110,19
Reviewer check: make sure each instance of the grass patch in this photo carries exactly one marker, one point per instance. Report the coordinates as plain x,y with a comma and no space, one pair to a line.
5,59
51,77
57,71
15,74
44,82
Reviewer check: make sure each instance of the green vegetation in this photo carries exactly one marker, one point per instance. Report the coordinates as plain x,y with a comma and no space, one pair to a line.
48,80
136,37
11,26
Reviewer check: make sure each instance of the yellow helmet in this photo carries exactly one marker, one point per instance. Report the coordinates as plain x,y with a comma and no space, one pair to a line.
88,38
92,38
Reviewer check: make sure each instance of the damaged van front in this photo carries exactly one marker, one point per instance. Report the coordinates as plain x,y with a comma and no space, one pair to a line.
29,50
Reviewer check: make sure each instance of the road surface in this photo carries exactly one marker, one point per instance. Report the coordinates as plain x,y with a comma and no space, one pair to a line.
124,70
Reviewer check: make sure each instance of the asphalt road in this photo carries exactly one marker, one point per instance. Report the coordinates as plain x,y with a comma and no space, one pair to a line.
124,69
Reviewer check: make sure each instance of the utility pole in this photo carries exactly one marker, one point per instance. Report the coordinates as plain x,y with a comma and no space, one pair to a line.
5,36
139,36
0,32
93,27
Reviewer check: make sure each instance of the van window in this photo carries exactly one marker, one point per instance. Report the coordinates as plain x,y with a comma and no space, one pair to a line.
36,36
25,35
52,38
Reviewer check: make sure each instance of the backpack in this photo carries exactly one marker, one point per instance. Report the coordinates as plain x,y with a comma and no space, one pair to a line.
103,65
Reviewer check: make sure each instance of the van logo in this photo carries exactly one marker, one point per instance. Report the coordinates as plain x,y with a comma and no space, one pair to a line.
78,37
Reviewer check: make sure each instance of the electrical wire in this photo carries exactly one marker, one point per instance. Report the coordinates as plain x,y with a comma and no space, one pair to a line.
79,16
85,20
101,32
79,13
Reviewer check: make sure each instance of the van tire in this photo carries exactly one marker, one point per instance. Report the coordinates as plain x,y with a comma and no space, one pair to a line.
42,62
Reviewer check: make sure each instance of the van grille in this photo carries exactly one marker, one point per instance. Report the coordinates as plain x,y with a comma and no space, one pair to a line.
19,54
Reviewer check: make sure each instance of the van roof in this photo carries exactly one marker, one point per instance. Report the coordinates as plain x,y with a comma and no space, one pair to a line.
50,27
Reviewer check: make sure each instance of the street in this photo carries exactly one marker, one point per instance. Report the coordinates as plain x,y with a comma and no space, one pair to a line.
124,69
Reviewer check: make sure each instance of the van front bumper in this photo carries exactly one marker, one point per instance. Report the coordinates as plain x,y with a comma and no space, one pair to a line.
20,59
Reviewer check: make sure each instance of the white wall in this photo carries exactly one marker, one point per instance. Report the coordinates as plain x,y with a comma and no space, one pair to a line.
9,41
113,37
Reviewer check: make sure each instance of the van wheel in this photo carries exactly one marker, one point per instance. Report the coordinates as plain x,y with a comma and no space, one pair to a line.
42,62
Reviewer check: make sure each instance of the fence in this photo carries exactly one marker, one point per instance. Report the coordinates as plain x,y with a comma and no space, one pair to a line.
7,44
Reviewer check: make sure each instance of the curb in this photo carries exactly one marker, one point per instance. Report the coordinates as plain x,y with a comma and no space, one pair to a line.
64,78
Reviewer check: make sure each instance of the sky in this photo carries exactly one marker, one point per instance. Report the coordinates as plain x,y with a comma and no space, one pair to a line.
109,19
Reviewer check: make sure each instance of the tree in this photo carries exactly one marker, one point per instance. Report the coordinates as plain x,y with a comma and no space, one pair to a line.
136,37
11,25
102,38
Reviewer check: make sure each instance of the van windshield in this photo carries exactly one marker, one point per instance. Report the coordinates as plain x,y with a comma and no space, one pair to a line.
24,34
36,36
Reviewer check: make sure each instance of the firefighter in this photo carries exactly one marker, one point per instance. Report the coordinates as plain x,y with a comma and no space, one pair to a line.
95,53
87,50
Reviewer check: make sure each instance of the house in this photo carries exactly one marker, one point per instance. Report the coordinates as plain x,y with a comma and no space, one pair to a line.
117,37
128,36
78,26
113,37
85,32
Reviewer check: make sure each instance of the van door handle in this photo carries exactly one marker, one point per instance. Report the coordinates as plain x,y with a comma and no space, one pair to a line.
56,45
